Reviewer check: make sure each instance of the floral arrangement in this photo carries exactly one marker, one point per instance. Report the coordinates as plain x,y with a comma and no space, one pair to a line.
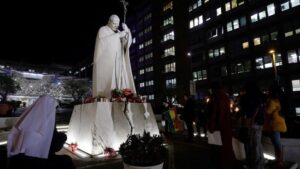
110,152
143,150
126,95
73,147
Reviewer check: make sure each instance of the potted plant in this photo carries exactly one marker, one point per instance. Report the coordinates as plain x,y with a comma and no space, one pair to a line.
143,151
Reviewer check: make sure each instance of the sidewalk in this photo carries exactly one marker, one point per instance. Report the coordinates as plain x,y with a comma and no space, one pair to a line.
182,155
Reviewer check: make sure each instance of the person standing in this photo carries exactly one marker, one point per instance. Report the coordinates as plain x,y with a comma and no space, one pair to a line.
218,110
252,106
111,66
189,115
33,140
275,122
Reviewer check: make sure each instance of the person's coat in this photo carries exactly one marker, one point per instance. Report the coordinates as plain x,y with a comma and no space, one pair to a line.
273,120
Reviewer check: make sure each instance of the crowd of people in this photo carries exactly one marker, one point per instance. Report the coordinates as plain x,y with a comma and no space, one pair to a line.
246,118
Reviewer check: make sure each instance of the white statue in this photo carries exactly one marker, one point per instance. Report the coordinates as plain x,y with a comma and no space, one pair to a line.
112,67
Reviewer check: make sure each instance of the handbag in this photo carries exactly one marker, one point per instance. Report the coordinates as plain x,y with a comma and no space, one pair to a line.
214,138
238,149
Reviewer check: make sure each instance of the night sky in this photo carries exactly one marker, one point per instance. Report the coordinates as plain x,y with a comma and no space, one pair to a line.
48,33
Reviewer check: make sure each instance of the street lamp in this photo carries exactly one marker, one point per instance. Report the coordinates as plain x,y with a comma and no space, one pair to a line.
272,52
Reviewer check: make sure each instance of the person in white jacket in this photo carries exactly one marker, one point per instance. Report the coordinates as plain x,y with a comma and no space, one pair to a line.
33,140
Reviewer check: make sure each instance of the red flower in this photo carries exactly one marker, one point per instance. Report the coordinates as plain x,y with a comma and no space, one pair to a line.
73,147
127,93
109,152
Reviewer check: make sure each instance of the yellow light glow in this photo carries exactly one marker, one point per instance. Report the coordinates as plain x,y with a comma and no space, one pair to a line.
271,51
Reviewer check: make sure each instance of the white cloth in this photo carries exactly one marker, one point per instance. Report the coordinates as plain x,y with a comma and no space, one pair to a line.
112,68
238,149
214,138
33,132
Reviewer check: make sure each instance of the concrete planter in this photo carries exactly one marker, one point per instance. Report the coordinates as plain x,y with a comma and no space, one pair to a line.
159,166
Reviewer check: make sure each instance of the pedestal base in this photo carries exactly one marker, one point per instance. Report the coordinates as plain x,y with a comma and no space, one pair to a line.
96,126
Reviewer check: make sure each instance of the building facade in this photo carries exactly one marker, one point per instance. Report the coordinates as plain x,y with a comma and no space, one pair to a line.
158,54
235,41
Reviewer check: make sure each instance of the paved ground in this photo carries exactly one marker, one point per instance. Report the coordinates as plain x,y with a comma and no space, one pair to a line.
182,154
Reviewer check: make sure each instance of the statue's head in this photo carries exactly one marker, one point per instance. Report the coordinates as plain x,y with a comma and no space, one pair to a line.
114,22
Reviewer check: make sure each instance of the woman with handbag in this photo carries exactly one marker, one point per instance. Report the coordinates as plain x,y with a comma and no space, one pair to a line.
275,122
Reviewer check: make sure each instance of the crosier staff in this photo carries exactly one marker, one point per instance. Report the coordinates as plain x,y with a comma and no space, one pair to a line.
125,4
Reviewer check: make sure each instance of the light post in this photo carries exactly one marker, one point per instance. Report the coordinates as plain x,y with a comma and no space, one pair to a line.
272,52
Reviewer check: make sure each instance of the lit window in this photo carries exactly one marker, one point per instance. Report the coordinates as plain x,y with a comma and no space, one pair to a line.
142,71
297,109
216,52
219,11
297,31
229,26
236,24
142,84
171,83
278,60
296,85
169,36
191,24
227,6
171,67
233,4
199,2
141,46
194,6
196,21
200,19
292,56
262,15
168,21
295,3
199,75
259,63
222,50
133,40
271,9
256,41
210,53
245,45
241,2
169,51
254,18
168,6
289,33
285,6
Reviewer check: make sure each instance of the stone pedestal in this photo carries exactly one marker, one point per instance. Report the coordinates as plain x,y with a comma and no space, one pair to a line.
96,126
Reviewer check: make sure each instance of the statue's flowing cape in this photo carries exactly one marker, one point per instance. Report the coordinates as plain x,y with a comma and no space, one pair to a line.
112,68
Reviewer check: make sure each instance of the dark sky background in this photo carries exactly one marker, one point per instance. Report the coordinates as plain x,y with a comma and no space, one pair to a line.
51,32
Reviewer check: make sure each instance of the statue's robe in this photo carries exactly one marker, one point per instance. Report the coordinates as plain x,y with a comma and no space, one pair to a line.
111,67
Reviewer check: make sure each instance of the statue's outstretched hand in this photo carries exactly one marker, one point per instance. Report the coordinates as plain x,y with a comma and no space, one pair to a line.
122,34
125,28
